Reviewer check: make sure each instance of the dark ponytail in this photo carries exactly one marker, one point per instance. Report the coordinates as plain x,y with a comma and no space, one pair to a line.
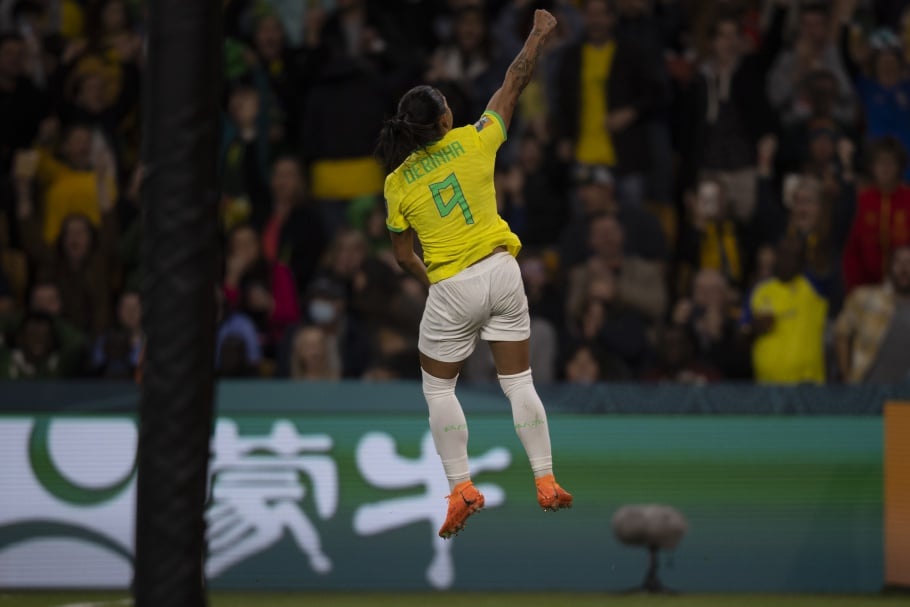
414,126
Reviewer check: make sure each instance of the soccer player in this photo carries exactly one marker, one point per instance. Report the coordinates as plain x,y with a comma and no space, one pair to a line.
440,189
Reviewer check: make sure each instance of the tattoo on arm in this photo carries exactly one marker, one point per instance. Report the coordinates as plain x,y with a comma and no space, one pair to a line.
522,68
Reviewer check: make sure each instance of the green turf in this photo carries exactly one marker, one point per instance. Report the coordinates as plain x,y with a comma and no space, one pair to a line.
236,599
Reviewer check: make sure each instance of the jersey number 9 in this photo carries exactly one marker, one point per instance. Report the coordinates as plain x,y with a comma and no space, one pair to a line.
456,199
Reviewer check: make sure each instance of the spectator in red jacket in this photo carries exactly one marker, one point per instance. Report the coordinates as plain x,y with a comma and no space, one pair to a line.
265,290
882,220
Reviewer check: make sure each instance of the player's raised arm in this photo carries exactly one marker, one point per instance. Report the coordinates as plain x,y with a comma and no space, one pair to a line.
520,72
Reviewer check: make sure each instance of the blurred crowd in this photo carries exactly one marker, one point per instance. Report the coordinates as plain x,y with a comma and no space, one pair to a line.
706,190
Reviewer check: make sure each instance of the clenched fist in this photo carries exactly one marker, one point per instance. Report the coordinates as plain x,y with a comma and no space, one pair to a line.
544,22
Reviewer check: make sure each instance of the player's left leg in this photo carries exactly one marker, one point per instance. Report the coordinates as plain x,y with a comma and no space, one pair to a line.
530,419
508,330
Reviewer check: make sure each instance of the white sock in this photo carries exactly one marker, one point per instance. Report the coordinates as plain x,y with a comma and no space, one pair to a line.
530,420
448,426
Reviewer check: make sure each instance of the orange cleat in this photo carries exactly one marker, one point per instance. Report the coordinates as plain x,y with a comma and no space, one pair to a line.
464,501
550,495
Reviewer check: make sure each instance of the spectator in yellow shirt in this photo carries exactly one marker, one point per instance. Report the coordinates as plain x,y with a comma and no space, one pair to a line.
786,316
70,181
82,261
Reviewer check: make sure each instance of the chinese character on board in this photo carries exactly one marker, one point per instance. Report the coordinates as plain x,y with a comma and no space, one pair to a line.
258,487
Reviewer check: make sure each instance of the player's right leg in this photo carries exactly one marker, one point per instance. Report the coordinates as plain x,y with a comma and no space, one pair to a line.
450,435
448,333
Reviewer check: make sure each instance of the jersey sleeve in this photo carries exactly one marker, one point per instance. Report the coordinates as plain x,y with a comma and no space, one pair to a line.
395,220
492,131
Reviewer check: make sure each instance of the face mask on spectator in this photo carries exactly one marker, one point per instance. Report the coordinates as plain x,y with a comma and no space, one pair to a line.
321,312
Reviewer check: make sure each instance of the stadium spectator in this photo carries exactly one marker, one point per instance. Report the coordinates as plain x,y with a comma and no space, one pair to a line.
367,214
315,358
727,111
116,352
606,96
468,69
882,219
285,81
32,22
800,147
639,284
677,361
110,32
711,240
359,30
529,194
822,223
708,316
765,258
369,282
44,298
392,341
583,367
100,79
829,159
883,86
268,297
114,355
325,306
617,330
812,51
99,76
234,358
545,299
652,26
238,352
245,155
352,53
78,181
786,318
89,102
587,364
596,195
264,290
292,231
873,330
339,136
33,352
83,262
770,215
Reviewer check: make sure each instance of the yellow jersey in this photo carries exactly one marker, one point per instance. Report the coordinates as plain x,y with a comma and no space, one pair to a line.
793,351
445,193
595,146
67,191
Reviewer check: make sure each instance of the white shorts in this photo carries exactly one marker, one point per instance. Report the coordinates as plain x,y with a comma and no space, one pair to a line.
485,301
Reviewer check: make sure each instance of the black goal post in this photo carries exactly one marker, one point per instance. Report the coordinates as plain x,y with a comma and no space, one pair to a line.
181,114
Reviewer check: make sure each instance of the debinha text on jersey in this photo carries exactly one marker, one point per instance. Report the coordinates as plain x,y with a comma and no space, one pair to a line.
427,161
